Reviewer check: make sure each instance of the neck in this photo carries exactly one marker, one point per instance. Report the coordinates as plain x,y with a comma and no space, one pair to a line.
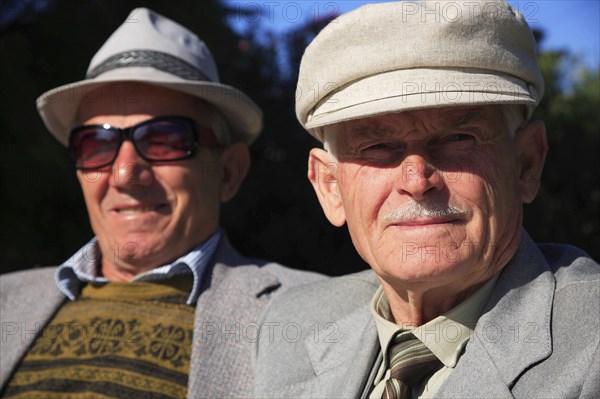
416,303
415,307
121,274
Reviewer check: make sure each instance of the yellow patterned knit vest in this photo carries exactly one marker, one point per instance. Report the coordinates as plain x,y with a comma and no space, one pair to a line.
117,340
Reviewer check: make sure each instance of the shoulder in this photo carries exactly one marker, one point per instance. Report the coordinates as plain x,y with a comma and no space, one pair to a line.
20,291
15,281
258,271
570,265
289,277
364,282
323,298
577,292
257,279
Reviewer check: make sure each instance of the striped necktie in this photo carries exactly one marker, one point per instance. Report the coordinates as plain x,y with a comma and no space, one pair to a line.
410,361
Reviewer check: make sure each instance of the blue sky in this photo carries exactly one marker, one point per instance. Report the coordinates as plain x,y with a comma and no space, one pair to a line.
573,25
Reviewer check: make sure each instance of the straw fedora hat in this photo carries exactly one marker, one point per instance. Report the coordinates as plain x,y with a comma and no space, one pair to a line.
153,49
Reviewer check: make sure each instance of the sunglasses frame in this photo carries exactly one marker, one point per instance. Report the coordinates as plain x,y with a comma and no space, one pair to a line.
127,134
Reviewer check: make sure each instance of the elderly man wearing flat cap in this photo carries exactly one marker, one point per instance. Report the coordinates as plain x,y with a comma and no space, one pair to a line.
158,304
423,109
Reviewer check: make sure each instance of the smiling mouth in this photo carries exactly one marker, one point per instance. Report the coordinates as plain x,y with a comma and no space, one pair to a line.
140,209
417,225
428,222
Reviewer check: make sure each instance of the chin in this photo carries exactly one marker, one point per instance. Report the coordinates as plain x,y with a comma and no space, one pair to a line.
425,270
141,249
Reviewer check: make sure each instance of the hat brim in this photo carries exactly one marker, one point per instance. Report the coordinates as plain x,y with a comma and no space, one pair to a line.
59,107
413,89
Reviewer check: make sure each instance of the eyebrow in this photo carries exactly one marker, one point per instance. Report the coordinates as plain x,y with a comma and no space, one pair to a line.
370,130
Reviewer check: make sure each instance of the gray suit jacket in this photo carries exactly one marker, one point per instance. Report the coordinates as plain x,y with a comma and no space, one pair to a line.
538,336
234,294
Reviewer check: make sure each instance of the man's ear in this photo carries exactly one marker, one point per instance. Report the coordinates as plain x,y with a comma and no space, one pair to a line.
235,162
322,173
532,147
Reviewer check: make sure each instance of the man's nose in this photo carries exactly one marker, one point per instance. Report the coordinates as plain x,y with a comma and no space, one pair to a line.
130,169
418,177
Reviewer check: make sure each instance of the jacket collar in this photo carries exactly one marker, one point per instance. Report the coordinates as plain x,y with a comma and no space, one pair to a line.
514,331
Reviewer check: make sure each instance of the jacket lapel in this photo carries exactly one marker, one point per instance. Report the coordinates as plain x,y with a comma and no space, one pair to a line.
25,312
513,333
226,323
342,363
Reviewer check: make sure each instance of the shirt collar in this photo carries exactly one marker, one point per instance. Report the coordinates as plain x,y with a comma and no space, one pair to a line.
82,267
446,335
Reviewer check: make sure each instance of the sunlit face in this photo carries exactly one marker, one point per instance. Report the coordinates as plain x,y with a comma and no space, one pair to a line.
147,214
429,196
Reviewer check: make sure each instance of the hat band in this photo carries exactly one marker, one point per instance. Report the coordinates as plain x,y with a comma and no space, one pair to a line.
147,58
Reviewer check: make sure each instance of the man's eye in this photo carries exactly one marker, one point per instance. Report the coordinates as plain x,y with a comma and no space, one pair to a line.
378,146
459,137
383,146
380,153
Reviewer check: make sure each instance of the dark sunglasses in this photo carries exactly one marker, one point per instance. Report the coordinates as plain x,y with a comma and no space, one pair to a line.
161,139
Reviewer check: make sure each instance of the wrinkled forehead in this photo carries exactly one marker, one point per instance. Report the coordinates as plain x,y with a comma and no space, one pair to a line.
414,122
123,98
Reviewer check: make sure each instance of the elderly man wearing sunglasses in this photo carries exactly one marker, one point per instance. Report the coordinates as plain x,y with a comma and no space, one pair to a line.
158,304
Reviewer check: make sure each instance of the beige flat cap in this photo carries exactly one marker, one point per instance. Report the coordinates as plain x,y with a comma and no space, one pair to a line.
398,56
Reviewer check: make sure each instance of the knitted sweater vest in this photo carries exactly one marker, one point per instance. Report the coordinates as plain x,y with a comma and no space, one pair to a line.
117,340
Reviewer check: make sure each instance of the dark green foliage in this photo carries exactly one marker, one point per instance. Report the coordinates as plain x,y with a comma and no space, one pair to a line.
567,208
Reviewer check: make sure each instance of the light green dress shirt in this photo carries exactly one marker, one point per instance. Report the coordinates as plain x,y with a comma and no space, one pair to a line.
445,336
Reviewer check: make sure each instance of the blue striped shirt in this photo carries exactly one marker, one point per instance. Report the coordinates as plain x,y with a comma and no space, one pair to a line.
82,268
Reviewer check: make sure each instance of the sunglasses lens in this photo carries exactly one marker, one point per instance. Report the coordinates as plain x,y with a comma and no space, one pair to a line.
161,139
93,147
165,140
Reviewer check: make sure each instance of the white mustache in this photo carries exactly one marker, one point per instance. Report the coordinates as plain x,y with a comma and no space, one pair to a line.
414,211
